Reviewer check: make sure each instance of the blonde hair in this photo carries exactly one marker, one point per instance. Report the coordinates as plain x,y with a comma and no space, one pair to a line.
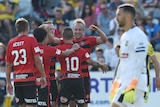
79,20
45,24
48,22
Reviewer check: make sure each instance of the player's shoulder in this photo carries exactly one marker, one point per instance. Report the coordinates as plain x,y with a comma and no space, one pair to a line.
86,37
82,50
137,34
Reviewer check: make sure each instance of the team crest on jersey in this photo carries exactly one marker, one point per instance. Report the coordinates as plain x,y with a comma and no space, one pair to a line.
63,99
82,43
58,52
126,44
87,55
37,49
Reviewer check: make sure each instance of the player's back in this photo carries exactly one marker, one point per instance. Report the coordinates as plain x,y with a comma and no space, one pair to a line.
20,53
72,63
46,53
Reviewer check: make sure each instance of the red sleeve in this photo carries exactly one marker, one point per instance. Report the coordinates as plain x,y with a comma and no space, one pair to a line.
92,41
35,47
86,55
55,51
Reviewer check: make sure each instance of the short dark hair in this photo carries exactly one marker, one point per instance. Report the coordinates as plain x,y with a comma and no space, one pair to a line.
21,25
110,40
128,8
67,33
39,34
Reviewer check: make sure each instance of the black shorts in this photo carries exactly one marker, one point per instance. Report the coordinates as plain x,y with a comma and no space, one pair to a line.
53,90
43,97
87,90
25,95
71,87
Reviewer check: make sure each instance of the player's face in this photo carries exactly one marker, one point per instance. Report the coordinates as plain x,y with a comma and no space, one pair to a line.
120,15
78,29
51,29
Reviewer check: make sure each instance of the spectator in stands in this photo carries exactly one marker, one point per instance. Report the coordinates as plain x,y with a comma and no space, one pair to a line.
59,22
2,57
103,19
26,9
79,9
35,23
113,30
39,7
89,17
149,6
99,57
110,52
2,90
67,10
7,14
114,4
97,8
153,32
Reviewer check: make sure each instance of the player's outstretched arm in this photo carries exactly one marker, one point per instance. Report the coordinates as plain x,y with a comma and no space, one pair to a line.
67,52
96,64
103,38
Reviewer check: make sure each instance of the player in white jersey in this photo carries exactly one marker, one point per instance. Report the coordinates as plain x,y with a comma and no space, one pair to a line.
130,82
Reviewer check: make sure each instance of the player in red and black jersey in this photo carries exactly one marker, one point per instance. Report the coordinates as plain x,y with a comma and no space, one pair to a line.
71,71
46,53
22,54
49,28
87,43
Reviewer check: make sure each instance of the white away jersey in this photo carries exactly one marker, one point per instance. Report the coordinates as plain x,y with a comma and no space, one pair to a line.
133,51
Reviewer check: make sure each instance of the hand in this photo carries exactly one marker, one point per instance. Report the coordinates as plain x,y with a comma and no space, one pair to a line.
43,82
158,84
75,46
104,68
9,88
114,90
130,92
93,27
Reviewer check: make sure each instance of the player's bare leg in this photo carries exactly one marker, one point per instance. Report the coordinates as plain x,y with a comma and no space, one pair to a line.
64,105
72,103
22,105
31,106
114,105
86,105
54,104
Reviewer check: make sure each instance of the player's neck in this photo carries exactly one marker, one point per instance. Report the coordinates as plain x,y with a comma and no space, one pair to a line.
23,33
78,39
68,41
129,26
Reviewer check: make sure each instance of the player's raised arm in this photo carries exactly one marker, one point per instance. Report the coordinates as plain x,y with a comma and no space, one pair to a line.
102,38
96,64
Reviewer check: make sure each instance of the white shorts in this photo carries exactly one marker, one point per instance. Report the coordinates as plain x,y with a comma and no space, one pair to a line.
138,103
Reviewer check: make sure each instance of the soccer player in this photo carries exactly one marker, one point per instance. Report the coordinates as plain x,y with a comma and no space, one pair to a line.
151,55
49,27
71,71
87,43
46,53
22,54
130,83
